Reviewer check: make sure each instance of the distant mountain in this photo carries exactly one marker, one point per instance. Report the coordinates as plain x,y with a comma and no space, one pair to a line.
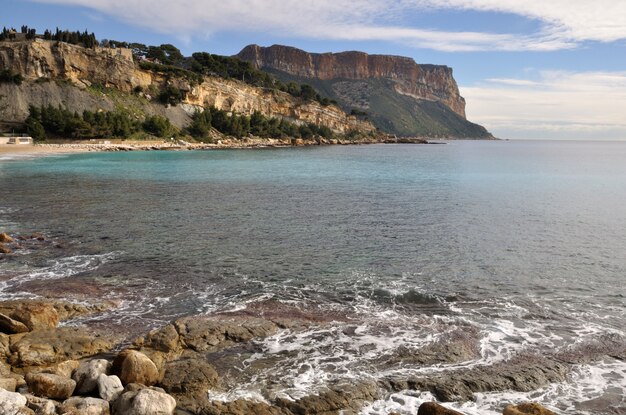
398,95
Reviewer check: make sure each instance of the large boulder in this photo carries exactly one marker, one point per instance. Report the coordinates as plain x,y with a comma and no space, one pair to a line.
87,373
50,385
147,401
85,406
36,315
109,387
46,347
433,408
132,366
528,408
11,402
11,326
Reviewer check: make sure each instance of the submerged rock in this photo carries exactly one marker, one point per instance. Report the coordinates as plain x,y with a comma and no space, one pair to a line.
433,408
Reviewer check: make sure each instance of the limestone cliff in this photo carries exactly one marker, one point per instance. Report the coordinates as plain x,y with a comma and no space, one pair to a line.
400,96
78,78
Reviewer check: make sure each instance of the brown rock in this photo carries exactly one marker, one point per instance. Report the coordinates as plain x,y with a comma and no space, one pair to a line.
49,385
529,408
41,406
5,249
37,235
132,366
189,380
10,326
165,339
66,368
85,406
5,238
36,315
46,347
433,408
9,384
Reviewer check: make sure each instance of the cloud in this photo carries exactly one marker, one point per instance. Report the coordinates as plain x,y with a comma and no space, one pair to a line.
565,23
557,104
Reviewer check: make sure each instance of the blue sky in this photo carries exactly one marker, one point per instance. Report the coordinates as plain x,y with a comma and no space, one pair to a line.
528,69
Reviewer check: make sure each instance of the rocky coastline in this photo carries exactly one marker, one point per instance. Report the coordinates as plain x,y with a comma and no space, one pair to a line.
51,362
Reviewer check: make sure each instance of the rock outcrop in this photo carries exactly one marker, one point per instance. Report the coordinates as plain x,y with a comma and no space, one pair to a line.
399,96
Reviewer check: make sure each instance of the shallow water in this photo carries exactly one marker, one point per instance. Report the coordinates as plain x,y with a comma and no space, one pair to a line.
523,242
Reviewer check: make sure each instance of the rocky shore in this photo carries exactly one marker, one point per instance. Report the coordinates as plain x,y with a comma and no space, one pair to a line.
51,362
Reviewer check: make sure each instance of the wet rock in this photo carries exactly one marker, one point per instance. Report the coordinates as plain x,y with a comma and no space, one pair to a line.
49,385
212,334
109,387
132,366
241,407
41,406
36,315
46,347
189,380
11,402
87,374
38,236
433,408
10,326
144,402
5,249
339,398
529,408
84,406
5,238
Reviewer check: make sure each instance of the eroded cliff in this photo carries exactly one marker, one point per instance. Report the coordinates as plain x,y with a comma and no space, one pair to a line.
79,78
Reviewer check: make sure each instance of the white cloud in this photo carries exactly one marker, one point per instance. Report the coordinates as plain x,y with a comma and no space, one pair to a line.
565,22
556,105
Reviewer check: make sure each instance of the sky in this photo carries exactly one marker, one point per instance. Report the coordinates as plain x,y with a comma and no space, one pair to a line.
528,69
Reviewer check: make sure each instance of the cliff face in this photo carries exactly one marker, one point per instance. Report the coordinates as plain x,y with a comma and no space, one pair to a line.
429,82
58,73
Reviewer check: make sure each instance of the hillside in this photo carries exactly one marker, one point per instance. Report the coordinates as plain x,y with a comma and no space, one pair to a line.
399,96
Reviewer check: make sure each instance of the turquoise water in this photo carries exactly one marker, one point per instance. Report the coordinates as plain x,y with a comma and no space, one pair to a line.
525,241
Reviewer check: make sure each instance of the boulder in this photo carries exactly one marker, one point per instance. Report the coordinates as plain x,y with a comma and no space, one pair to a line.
66,368
87,373
109,387
46,347
49,385
36,315
5,342
84,406
5,238
10,326
41,406
145,402
188,376
11,402
132,366
9,384
5,249
528,408
433,408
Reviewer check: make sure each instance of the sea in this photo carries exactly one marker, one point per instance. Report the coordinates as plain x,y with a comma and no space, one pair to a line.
522,243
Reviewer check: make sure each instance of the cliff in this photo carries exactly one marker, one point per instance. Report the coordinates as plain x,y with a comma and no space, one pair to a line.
400,96
79,78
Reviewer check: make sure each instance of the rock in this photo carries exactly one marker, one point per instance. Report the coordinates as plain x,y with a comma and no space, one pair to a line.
433,408
145,402
5,249
46,347
36,315
8,384
5,238
66,368
189,375
165,339
11,402
135,367
87,373
85,406
37,235
41,406
49,385
529,408
342,398
10,326
109,387
5,342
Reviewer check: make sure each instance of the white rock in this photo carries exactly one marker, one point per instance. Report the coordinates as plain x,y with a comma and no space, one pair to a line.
11,402
109,387
145,402
87,373
85,406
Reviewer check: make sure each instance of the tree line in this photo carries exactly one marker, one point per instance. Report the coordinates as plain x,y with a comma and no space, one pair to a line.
84,39
59,122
